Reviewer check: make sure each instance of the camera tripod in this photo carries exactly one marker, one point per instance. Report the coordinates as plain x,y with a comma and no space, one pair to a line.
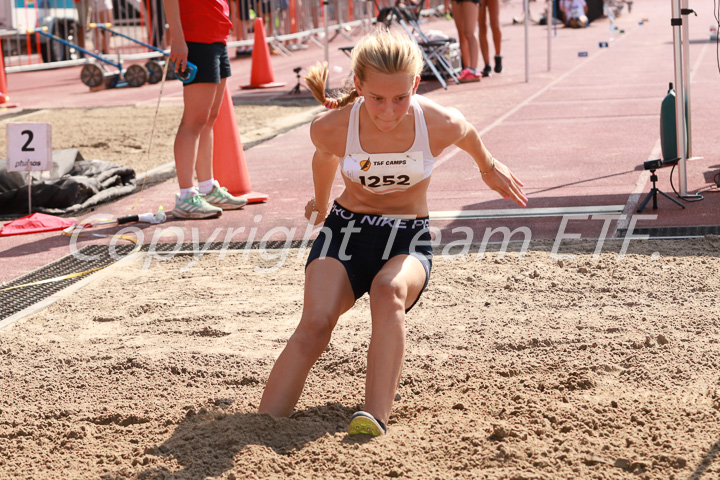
653,194
296,88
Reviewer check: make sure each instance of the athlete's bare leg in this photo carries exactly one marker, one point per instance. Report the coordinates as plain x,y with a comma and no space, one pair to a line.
328,294
395,288
464,15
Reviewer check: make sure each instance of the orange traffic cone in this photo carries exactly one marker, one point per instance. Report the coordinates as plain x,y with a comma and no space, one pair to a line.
4,98
229,167
261,73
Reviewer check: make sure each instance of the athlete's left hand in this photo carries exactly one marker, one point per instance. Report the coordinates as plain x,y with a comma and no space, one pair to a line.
504,182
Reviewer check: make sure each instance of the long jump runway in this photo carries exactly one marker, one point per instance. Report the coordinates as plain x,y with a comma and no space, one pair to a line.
576,135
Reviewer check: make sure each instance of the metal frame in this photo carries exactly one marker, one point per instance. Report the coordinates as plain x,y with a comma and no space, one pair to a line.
432,50
680,92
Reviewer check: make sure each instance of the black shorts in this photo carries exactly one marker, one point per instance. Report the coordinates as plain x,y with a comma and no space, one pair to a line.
211,60
363,253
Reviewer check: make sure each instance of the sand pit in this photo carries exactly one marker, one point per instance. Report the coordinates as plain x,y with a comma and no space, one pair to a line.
122,134
516,368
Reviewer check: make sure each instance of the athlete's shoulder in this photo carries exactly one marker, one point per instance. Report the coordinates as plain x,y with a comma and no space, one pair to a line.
328,129
445,122
434,112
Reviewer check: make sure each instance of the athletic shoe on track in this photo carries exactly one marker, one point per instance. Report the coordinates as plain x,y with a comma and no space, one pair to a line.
498,63
467,76
194,206
219,197
364,423
487,71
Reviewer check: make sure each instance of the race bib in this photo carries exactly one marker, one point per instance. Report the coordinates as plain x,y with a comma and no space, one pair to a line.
384,173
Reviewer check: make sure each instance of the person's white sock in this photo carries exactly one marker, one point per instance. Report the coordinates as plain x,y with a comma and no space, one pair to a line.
206,186
184,192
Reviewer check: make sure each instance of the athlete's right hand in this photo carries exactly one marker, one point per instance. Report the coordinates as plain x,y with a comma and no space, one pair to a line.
313,215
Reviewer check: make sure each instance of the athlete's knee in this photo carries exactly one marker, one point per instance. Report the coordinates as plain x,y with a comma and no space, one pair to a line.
387,302
315,329
389,290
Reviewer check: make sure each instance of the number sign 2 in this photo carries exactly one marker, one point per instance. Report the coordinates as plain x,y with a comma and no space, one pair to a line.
29,146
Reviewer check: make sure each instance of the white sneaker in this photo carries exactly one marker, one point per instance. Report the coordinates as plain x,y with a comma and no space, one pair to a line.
219,197
194,206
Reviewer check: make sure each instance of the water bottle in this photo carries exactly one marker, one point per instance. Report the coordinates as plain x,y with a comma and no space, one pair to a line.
668,132
153,218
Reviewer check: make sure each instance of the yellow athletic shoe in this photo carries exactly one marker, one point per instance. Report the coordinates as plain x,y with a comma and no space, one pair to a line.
364,423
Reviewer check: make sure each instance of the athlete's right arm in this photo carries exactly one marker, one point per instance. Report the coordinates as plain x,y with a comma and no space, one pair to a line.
178,47
324,133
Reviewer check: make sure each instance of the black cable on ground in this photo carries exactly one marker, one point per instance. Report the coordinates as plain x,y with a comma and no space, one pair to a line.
696,197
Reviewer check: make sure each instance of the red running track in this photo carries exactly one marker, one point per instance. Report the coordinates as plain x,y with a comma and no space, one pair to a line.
576,135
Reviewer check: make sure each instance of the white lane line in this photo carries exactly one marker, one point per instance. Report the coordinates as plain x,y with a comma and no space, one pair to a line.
698,62
526,212
634,198
454,150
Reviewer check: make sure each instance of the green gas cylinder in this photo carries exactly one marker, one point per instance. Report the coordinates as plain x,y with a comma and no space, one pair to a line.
668,132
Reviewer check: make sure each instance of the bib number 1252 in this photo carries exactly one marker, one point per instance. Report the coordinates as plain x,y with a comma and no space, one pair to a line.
375,181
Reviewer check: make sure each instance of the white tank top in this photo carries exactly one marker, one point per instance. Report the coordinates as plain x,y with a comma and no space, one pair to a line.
384,173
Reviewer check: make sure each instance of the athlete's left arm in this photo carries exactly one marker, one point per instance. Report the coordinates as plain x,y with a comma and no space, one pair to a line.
448,126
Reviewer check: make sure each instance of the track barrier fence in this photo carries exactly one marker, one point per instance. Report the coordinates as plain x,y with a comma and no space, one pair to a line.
289,24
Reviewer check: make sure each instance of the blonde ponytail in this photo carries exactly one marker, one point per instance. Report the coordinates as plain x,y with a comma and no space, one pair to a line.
316,79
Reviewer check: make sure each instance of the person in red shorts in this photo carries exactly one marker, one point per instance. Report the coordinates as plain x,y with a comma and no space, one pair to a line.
199,30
